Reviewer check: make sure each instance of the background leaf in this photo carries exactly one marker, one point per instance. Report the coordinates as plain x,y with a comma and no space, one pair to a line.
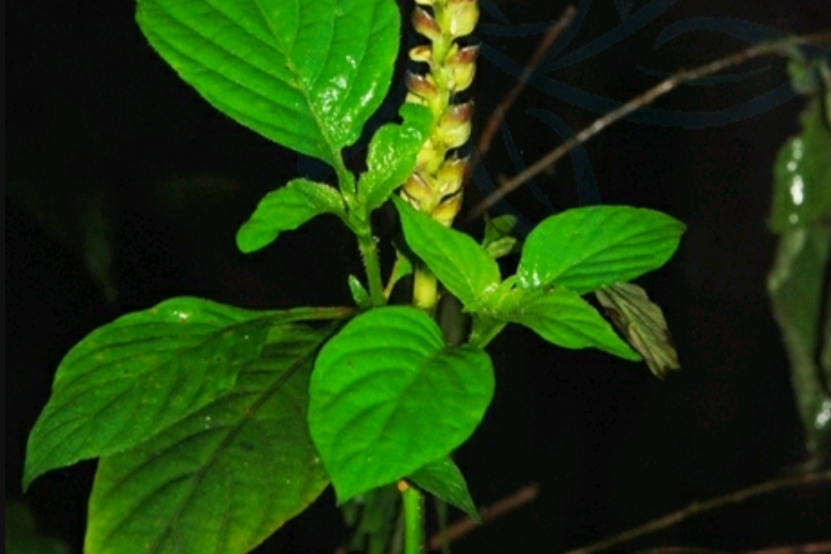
643,324
558,315
387,396
498,241
306,74
802,174
132,378
392,155
22,536
223,479
795,286
585,248
286,209
457,260
443,479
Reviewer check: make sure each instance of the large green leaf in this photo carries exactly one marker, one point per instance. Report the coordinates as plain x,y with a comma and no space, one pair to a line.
132,378
795,285
224,478
306,74
387,396
643,324
392,155
462,265
802,174
286,209
444,479
558,315
586,248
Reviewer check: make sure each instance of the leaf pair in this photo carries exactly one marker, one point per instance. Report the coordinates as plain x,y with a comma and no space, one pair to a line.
197,411
567,255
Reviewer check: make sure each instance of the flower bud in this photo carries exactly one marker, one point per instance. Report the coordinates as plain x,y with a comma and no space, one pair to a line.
419,190
450,177
422,87
423,53
424,24
454,126
463,16
446,212
462,67
429,157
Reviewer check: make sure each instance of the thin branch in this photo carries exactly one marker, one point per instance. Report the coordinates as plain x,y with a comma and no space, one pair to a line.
696,508
489,513
498,114
822,547
646,98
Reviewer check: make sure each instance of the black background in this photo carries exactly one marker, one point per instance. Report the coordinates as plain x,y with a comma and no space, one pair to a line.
609,444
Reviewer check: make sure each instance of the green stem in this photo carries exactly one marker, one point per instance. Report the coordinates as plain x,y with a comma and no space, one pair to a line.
373,268
413,519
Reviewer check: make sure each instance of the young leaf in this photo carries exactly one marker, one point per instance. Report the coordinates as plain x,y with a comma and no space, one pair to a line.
443,479
642,323
558,315
392,155
585,248
286,209
388,396
498,241
359,293
457,260
132,378
802,175
224,478
306,74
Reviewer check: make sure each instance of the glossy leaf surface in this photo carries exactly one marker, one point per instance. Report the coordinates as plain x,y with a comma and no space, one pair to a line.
286,209
444,479
795,285
643,324
132,378
558,315
387,396
306,74
585,248
802,175
392,155
224,478
461,264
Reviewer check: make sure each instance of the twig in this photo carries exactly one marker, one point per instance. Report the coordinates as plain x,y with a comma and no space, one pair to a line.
646,98
699,507
498,114
496,510
822,547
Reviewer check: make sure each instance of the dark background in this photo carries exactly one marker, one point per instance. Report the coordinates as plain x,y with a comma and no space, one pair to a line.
95,113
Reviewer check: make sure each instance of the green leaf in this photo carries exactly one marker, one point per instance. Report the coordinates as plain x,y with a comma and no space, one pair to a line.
795,285
498,241
286,209
306,74
586,248
359,292
802,175
400,269
443,479
388,396
392,155
455,258
22,536
132,378
224,478
643,324
558,315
